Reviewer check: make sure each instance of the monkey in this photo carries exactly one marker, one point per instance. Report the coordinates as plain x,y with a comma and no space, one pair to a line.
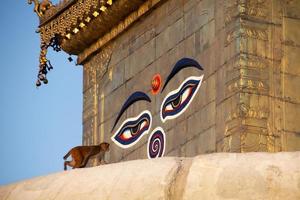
81,155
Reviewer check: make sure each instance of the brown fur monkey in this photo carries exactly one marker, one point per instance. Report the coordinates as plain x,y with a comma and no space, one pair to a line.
81,155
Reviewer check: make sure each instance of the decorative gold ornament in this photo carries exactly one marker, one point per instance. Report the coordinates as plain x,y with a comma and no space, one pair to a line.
88,19
41,7
103,8
81,25
95,13
68,36
75,30
109,2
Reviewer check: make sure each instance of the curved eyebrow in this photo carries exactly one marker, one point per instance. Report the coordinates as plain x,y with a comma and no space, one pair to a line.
134,97
181,64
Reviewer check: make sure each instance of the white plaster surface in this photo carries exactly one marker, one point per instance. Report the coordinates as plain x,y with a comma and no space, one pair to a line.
227,176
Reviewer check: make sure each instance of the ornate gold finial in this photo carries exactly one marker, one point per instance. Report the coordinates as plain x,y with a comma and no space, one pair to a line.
41,7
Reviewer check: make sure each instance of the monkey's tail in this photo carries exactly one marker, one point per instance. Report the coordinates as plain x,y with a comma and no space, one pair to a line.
67,155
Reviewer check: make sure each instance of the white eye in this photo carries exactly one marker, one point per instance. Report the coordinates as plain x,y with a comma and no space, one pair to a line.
127,134
186,93
169,107
144,123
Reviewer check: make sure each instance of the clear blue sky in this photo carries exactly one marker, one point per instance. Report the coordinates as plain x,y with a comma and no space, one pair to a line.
37,126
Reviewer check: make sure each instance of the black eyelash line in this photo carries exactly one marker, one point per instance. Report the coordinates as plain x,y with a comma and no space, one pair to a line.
181,64
133,125
136,124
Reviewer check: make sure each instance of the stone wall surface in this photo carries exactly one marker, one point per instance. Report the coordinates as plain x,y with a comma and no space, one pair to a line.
214,176
248,100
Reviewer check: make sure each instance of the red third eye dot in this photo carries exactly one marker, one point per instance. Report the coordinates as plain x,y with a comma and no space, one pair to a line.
156,83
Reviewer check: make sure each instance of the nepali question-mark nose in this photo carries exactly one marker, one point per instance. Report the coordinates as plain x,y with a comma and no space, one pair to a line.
156,143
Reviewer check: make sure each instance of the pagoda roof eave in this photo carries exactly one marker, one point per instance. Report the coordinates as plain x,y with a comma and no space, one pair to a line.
78,24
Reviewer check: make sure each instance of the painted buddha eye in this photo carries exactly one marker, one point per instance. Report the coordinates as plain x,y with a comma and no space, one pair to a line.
177,101
132,130
180,99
